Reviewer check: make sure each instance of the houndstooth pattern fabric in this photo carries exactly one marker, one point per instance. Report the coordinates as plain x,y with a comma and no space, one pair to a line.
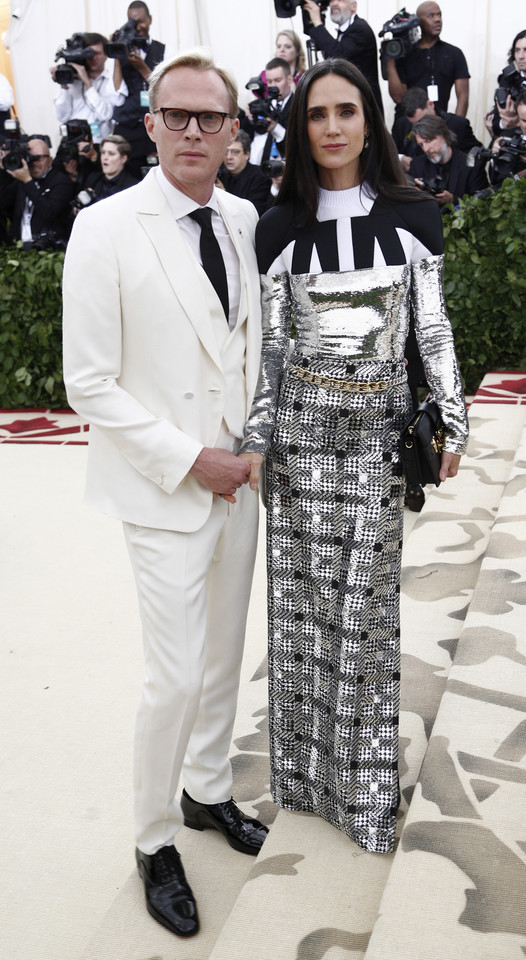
335,497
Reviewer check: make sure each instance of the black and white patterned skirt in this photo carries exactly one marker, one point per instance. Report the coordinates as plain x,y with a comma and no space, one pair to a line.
335,514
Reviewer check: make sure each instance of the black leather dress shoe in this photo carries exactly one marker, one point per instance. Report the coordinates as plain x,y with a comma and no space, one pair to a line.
242,832
169,899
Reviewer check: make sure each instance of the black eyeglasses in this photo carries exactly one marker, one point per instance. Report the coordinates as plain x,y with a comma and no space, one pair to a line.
33,157
208,121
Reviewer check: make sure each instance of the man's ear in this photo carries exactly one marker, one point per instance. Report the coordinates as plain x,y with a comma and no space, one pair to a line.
149,123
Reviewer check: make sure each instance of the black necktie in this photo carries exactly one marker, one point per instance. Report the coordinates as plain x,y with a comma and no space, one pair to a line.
211,255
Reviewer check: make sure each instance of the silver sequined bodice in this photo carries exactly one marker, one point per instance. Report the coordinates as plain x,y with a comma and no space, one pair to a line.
358,314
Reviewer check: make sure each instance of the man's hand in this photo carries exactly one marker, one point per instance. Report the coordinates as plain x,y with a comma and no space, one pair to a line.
82,74
508,114
255,460
220,471
445,197
449,465
21,173
313,11
134,57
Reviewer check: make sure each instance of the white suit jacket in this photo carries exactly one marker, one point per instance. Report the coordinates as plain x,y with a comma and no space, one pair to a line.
141,360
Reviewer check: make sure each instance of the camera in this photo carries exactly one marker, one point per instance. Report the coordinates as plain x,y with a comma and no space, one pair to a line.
72,133
73,51
15,145
401,33
511,83
265,108
435,185
506,163
287,8
124,40
273,168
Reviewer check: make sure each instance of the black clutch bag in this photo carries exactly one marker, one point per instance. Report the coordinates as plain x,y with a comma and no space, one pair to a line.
421,445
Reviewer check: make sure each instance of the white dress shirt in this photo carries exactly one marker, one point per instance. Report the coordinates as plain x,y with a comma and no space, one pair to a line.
95,105
181,206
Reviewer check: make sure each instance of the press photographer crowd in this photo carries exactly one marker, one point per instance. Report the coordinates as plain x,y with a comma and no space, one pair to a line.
101,98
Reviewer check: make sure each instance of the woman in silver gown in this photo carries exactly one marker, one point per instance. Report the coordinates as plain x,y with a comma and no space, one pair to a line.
341,255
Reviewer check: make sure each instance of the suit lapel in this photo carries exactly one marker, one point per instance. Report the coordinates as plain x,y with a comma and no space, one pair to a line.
180,266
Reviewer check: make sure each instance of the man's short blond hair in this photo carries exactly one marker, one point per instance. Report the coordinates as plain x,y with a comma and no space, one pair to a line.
195,61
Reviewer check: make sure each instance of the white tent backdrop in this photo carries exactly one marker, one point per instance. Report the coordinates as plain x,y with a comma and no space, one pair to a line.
240,34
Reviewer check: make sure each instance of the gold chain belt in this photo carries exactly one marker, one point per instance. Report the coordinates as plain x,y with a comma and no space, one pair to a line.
346,386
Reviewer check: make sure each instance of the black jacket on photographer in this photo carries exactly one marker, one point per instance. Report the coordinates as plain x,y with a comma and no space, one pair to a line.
50,197
7,201
358,44
129,118
102,186
458,178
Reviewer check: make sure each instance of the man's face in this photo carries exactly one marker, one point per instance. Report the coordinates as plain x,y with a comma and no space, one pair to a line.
41,162
235,159
190,158
521,110
519,54
142,21
283,81
342,10
436,149
421,112
430,19
95,64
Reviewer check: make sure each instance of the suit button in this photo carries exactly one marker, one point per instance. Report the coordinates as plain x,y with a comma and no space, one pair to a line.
188,396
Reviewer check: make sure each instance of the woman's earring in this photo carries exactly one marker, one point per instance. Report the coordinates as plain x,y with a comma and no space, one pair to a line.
366,141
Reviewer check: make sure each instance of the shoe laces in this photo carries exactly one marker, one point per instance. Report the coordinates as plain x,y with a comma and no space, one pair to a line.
168,865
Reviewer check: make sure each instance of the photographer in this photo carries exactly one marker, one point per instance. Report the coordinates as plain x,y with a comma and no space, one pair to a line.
92,95
242,178
434,65
77,155
41,215
509,150
511,84
136,70
442,169
355,41
270,115
415,105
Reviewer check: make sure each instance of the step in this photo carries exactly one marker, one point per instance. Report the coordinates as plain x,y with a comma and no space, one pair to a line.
463,846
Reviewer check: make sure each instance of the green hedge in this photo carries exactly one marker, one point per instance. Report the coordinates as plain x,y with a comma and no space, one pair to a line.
30,329
485,286
485,281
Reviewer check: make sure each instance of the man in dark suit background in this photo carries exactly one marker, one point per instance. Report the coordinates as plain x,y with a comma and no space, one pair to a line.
244,179
355,40
42,201
135,71
441,159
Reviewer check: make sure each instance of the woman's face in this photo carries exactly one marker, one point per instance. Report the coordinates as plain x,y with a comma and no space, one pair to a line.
286,49
111,160
336,129
519,54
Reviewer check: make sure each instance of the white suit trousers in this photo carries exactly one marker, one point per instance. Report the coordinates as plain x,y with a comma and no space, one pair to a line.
193,591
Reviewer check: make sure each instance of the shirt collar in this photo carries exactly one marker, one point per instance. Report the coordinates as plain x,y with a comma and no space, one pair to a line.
179,203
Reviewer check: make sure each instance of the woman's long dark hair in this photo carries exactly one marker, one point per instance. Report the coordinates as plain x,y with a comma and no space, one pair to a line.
511,54
379,166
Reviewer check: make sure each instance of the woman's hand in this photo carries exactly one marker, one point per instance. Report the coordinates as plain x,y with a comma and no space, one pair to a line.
255,460
449,465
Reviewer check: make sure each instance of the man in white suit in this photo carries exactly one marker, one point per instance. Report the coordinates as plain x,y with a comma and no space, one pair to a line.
164,371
